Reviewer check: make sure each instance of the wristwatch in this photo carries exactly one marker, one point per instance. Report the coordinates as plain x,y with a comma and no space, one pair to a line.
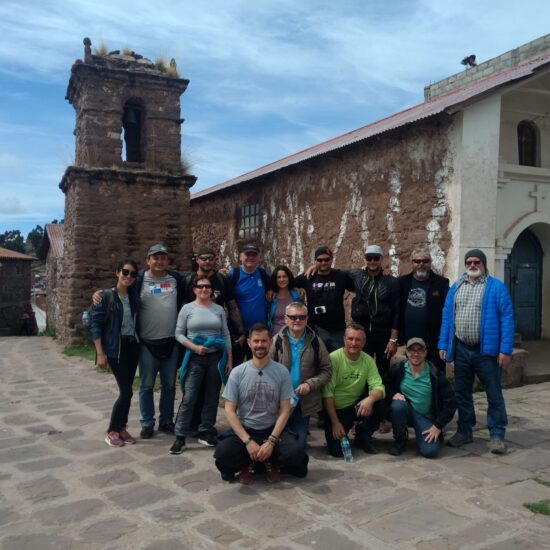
393,340
247,441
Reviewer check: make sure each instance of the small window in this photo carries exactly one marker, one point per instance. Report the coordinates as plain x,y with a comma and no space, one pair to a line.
527,143
132,122
250,221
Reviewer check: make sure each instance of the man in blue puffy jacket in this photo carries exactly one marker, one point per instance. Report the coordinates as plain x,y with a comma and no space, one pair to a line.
477,333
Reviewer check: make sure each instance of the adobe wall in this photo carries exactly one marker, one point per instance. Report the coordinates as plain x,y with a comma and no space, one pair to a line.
15,294
53,269
390,190
112,215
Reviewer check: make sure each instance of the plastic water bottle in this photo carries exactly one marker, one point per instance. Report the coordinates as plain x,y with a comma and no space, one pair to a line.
294,400
346,449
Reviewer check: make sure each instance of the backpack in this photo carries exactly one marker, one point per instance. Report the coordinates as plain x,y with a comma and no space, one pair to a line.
314,345
263,276
87,313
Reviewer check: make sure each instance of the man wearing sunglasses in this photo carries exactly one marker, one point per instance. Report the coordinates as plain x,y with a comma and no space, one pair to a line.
422,297
477,333
298,348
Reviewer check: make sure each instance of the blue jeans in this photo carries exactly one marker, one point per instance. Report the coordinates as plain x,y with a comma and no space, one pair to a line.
469,362
403,415
202,369
298,426
149,366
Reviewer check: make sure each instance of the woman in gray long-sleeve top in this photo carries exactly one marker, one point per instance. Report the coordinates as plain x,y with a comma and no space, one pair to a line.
196,321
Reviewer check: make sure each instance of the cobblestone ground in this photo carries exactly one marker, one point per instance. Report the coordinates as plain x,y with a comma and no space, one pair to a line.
62,487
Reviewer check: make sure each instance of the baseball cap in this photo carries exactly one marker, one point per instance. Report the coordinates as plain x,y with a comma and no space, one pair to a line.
157,249
250,247
418,341
373,250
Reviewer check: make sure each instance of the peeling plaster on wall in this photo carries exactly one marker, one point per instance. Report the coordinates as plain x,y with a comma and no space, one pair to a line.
393,207
295,236
353,208
309,217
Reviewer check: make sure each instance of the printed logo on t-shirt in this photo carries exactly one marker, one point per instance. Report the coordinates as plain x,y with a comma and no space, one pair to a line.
261,398
160,288
417,297
325,287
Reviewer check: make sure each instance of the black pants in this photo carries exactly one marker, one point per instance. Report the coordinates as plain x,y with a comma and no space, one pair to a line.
231,454
363,431
241,353
124,370
375,346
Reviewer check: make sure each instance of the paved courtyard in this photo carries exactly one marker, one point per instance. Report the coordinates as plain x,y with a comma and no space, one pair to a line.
62,487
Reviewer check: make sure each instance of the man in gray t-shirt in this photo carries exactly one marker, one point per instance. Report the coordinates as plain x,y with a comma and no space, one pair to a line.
257,408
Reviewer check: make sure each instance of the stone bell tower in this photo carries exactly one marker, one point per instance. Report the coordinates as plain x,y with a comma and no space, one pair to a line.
128,188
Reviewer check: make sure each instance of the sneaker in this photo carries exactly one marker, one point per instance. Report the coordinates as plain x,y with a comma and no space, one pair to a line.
178,446
384,428
272,472
208,440
497,446
126,437
166,428
369,448
398,448
230,478
459,439
147,432
246,475
113,440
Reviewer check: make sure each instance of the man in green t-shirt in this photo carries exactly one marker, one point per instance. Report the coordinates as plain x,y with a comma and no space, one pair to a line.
354,393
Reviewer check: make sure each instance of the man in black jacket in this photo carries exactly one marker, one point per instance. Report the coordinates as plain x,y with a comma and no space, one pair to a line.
420,396
422,297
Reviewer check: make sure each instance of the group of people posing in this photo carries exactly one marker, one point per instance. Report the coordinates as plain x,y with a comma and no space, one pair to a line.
282,347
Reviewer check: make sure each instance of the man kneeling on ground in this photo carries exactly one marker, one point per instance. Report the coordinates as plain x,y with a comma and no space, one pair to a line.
354,393
257,408
421,397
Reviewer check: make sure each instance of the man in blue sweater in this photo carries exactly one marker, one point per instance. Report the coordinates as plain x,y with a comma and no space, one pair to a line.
477,333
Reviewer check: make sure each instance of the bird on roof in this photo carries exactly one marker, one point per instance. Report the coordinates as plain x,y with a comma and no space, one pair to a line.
469,61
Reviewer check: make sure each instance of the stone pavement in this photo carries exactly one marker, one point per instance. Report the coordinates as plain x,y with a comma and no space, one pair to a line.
62,487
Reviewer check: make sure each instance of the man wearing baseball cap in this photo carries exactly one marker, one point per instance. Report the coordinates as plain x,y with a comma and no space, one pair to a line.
477,333
421,397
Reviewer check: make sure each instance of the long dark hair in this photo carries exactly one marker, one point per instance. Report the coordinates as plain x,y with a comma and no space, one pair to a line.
122,263
273,278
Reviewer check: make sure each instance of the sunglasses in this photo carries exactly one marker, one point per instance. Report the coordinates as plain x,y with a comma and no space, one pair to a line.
128,273
421,261
372,258
203,287
206,258
323,260
473,262
297,317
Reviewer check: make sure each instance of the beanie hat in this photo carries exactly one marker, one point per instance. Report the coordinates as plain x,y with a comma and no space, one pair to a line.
477,253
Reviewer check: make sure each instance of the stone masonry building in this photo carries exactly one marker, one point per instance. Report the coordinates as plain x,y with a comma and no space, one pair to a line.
128,187
469,167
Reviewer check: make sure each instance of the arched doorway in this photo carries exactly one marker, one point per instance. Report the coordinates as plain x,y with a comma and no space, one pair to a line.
523,276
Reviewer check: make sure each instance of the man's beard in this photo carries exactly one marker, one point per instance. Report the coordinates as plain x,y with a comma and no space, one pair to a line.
421,275
474,272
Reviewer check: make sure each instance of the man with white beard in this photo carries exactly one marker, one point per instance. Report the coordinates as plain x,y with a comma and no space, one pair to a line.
422,296
477,333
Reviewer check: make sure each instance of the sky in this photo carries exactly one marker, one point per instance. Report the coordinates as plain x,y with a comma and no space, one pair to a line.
268,78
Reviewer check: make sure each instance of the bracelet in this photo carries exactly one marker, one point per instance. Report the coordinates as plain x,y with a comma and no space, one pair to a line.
273,439
272,443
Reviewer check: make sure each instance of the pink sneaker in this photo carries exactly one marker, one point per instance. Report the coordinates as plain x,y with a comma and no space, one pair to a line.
126,437
113,440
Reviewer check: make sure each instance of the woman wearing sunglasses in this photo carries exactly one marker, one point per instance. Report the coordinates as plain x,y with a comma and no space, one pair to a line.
202,330
284,293
113,328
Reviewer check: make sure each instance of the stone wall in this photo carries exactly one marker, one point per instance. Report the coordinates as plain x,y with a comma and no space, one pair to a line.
389,190
53,270
112,215
15,294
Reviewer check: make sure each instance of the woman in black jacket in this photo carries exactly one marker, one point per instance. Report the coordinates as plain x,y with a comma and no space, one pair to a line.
113,329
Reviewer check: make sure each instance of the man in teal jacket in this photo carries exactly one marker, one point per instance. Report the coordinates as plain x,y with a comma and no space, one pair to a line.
477,333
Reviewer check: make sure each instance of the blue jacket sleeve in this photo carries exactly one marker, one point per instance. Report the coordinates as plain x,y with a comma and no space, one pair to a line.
446,321
506,320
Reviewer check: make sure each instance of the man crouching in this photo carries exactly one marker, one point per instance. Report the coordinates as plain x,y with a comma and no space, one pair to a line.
257,408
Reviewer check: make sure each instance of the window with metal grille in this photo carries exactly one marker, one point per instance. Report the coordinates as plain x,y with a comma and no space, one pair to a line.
528,143
249,221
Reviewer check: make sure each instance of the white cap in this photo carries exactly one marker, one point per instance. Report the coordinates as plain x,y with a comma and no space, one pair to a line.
373,249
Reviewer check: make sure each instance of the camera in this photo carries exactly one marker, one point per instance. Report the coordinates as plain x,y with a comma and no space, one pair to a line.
319,309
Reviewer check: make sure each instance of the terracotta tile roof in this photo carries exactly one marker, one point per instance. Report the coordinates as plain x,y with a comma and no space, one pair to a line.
449,102
54,234
7,254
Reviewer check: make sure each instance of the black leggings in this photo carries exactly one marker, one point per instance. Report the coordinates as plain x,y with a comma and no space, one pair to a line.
124,370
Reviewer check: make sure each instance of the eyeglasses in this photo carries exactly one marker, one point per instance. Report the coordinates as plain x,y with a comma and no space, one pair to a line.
421,261
250,253
206,258
372,258
416,351
323,260
473,262
128,273
203,287
297,317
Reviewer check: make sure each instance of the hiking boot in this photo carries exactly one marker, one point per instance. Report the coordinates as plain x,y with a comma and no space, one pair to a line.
398,448
230,478
113,439
126,437
384,428
246,475
369,448
272,472
460,439
208,440
178,446
167,428
147,432
497,446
